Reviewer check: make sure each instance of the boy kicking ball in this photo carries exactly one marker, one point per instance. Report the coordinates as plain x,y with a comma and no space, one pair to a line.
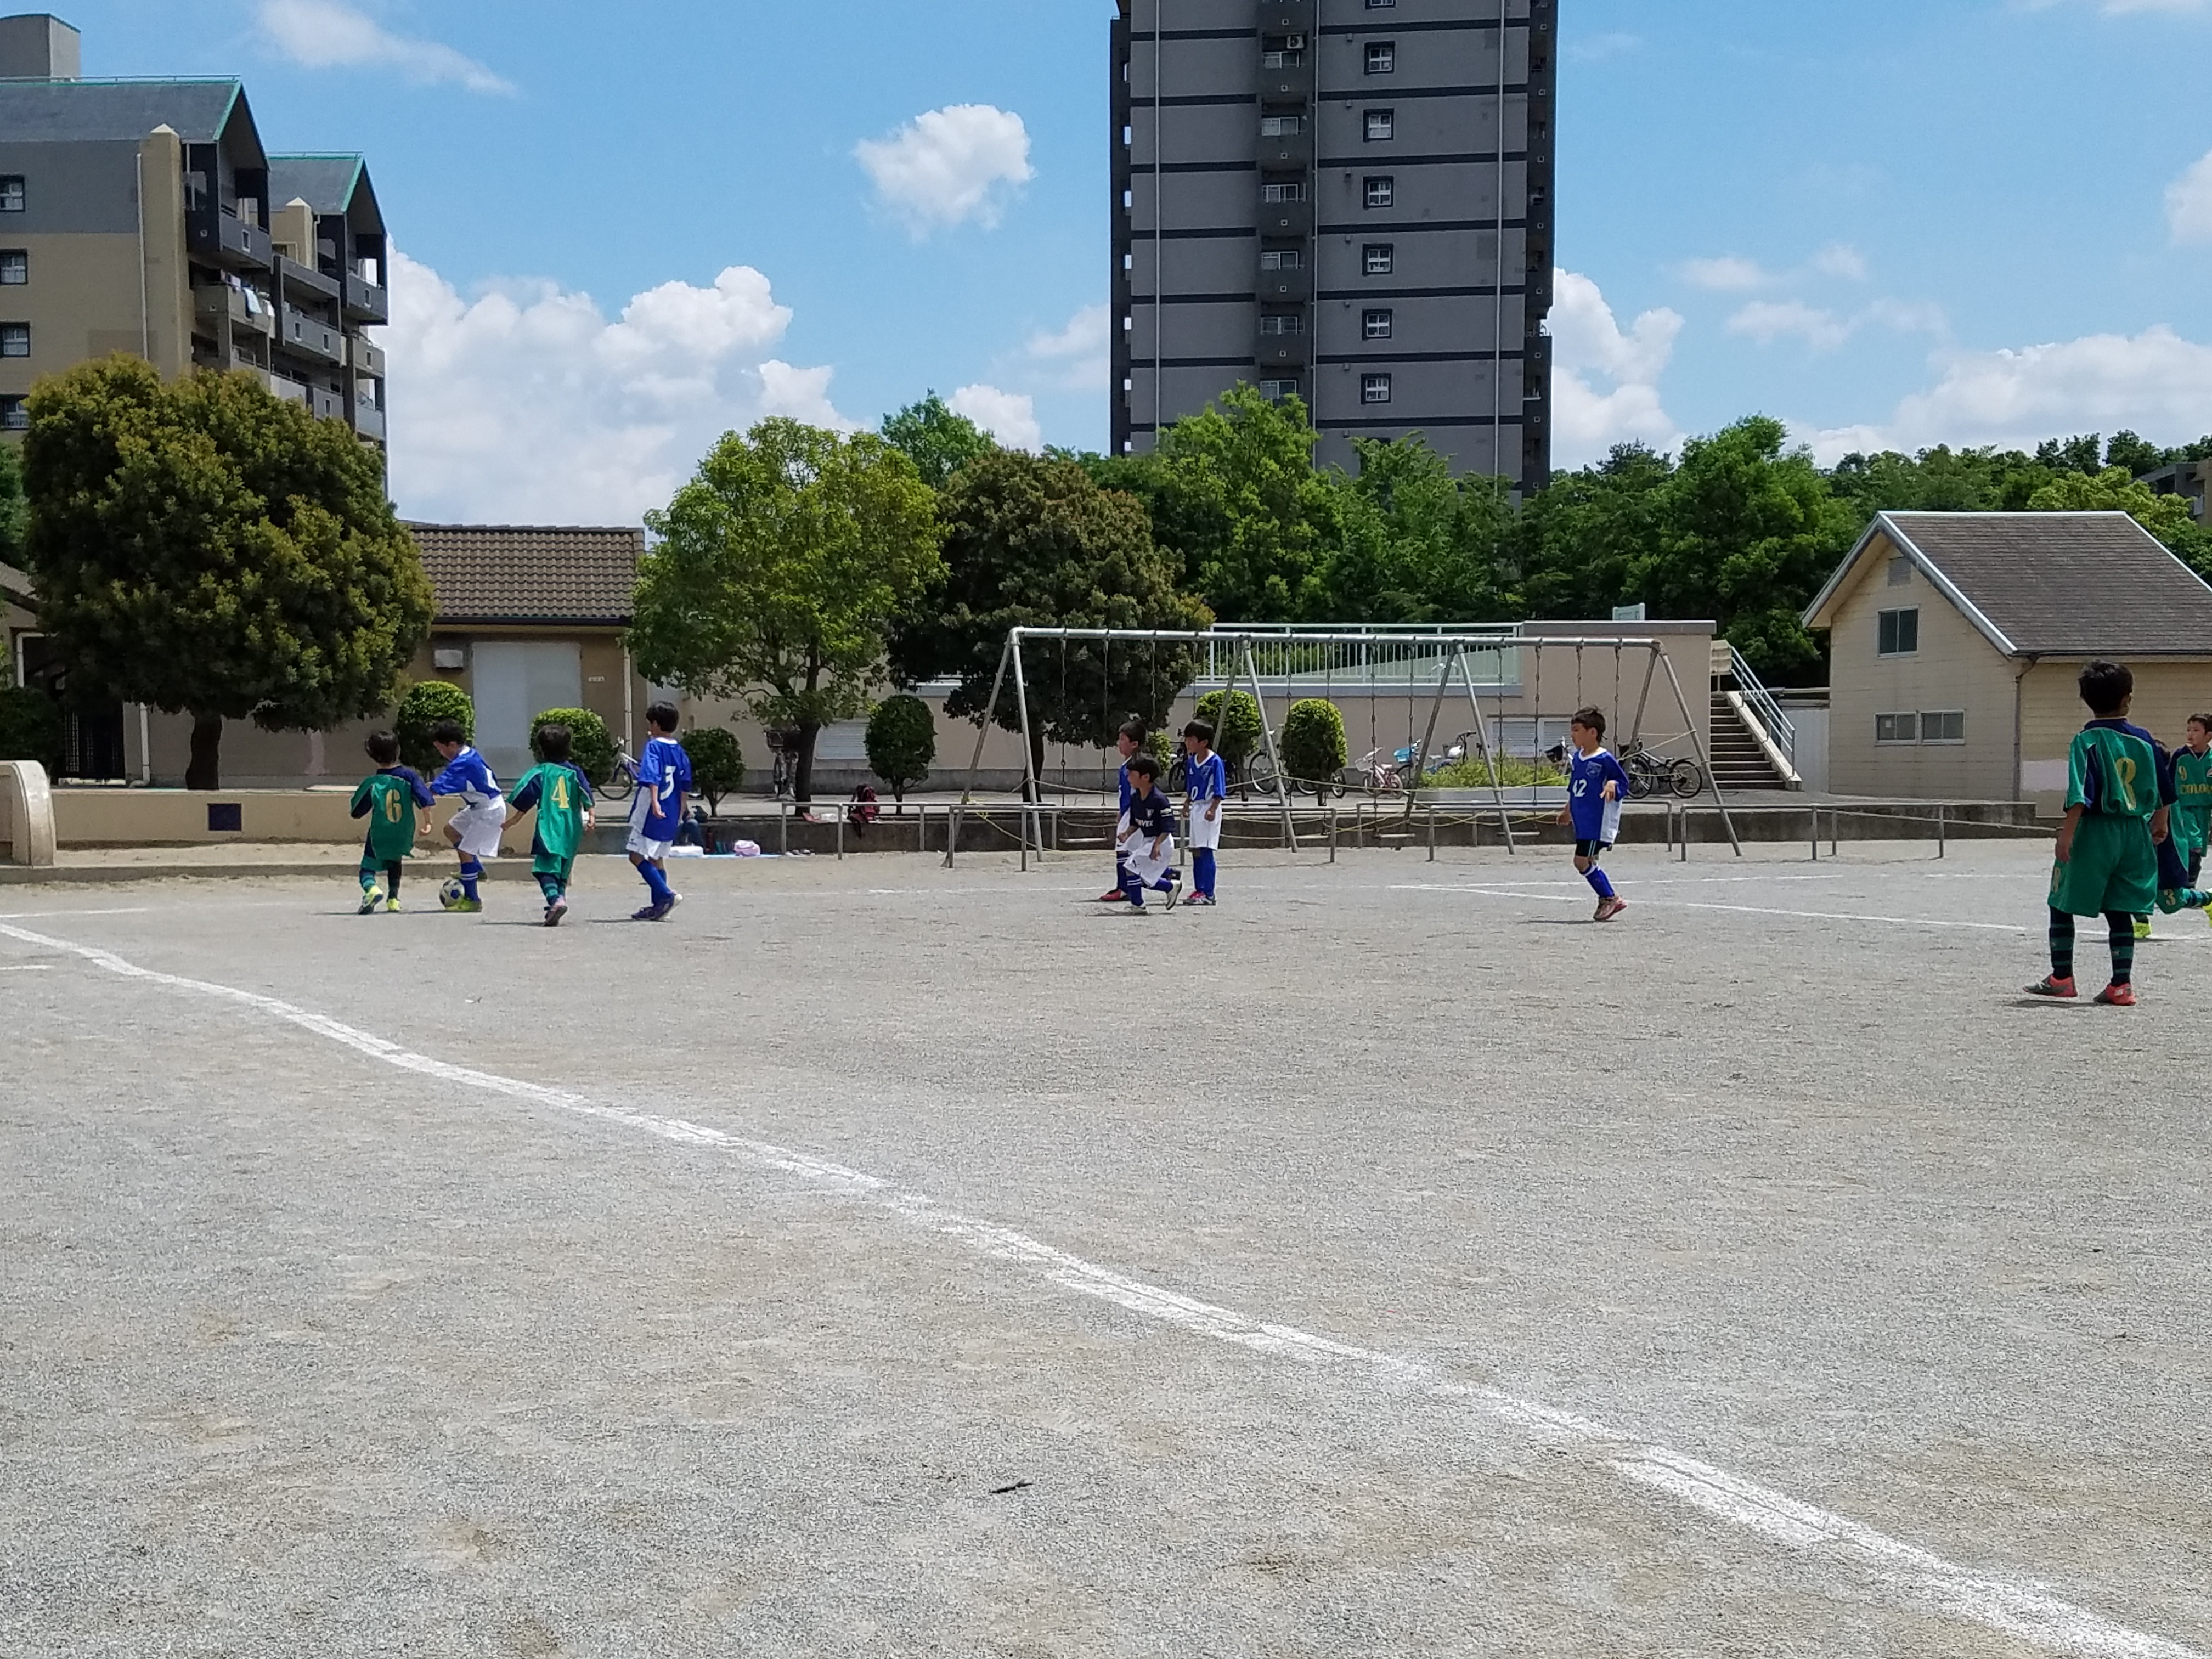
1596,783
474,830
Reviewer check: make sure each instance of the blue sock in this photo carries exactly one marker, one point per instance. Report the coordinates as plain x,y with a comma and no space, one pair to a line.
550,885
1134,887
656,881
1598,885
1201,874
471,874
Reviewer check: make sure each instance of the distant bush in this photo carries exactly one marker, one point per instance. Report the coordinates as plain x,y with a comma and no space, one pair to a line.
1315,749
423,707
31,728
1473,774
901,743
718,764
1237,737
591,745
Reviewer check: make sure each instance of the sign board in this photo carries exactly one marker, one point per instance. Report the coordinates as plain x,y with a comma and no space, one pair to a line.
1630,613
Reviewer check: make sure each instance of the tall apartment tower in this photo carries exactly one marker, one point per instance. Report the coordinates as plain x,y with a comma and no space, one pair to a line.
1346,201
145,217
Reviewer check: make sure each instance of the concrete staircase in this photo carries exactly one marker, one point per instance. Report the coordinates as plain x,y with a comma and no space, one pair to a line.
1739,762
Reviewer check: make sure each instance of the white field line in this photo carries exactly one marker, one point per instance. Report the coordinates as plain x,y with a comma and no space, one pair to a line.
56,915
1527,894
1902,1572
30,968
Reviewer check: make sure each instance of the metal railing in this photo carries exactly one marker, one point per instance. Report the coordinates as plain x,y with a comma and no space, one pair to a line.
1781,730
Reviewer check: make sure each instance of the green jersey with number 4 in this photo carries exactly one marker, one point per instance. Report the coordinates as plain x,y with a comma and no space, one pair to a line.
562,797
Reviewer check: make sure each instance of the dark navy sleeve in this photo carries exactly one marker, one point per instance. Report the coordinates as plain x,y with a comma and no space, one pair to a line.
583,784
527,797
2169,790
422,795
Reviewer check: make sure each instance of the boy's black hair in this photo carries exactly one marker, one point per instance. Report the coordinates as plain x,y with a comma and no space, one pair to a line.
1592,717
1201,731
553,741
1136,731
1144,766
2106,686
383,748
447,731
2204,720
660,716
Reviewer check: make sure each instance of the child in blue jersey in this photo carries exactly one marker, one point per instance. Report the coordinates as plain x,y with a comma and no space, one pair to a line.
1148,849
656,812
1208,780
1596,785
1129,739
474,831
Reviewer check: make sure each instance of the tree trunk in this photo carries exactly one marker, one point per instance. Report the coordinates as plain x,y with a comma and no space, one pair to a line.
205,771
802,784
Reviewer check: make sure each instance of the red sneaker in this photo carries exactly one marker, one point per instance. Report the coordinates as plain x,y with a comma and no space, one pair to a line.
2118,996
1610,909
2052,986
1113,897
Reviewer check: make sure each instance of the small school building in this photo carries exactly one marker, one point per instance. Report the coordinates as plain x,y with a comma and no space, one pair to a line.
1956,638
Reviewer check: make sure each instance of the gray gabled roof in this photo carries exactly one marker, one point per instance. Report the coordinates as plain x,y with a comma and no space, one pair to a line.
572,574
325,183
62,112
2048,584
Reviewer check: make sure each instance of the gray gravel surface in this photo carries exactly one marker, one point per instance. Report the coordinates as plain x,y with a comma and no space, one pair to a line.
306,1352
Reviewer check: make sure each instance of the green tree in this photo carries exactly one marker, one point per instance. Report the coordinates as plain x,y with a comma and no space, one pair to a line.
1241,732
207,547
937,441
1313,744
14,512
1415,544
426,703
2134,455
30,720
1032,542
2078,454
591,745
901,743
778,572
1938,480
718,763
2115,490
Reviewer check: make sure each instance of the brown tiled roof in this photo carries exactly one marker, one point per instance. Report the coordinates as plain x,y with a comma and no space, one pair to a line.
530,573
2057,584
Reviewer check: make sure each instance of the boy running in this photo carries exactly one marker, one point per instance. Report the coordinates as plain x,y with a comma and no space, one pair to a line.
474,830
563,797
2119,791
2191,822
1208,780
656,812
1129,739
1596,785
387,798
1149,848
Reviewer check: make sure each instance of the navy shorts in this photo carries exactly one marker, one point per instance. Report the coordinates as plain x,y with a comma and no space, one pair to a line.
1591,849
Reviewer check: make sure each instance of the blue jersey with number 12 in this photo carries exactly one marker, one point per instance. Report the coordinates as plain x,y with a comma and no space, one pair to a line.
1595,817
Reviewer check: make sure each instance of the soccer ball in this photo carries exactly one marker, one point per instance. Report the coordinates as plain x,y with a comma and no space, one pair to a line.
452,892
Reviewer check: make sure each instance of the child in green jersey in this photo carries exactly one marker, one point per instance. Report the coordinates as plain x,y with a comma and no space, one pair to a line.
2119,793
387,799
561,796
2193,803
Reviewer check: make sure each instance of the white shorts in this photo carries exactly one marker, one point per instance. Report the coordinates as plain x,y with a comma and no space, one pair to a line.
1143,865
646,849
478,828
1202,834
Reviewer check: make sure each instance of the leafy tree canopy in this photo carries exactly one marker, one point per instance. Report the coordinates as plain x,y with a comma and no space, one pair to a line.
901,743
937,441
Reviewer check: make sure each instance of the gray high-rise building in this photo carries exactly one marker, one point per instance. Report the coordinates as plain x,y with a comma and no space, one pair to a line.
1346,201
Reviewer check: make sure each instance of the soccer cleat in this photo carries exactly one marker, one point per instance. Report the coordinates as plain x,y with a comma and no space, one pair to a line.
466,907
392,906
2118,996
659,908
1175,890
1611,908
1205,899
556,910
647,914
2143,926
675,898
1113,897
372,899
2051,986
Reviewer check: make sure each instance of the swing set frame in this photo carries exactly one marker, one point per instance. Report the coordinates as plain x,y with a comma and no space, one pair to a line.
1455,649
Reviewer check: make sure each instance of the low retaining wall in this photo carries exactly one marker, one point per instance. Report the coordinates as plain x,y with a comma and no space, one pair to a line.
88,818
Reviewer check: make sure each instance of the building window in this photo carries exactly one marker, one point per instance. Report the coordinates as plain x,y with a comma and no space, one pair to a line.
1281,259
1276,390
1377,5
1283,322
1376,325
1381,192
1281,126
1274,193
15,267
1899,633
1382,56
1897,728
1379,259
1279,51
11,193
15,339
1949,726
1375,388
15,414
1381,123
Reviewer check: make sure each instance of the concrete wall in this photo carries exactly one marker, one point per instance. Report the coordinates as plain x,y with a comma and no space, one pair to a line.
177,818
2052,712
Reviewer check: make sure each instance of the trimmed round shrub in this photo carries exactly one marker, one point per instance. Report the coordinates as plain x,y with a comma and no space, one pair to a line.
1163,748
1314,748
718,763
901,742
1236,738
423,707
591,745
31,727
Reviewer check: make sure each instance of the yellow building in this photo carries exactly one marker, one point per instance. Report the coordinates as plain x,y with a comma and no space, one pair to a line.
1956,640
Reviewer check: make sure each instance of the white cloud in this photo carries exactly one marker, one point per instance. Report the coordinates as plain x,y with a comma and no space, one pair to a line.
2189,204
527,405
1769,320
2154,382
1841,260
328,34
1727,275
1009,416
1080,356
949,166
1588,344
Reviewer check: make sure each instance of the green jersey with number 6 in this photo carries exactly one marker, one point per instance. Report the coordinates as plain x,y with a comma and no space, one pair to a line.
387,801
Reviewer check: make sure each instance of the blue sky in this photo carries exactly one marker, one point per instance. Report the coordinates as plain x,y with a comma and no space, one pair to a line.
1889,222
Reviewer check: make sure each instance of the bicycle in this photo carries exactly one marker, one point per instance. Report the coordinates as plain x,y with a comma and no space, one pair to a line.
783,770
1374,774
1651,772
623,779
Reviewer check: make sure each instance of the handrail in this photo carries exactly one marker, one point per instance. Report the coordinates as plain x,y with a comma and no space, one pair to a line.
1759,704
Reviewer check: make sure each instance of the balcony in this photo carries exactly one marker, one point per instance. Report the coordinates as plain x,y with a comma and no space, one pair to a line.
1285,218
1287,143
224,238
1283,343
1285,285
289,389
215,303
369,421
367,358
1284,72
1286,17
310,338
296,279
365,302
325,405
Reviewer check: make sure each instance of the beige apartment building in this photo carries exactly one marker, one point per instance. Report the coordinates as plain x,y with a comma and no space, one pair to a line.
146,217
1956,639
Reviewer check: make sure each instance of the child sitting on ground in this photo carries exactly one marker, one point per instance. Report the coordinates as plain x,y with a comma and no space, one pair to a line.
1148,849
388,799
563,798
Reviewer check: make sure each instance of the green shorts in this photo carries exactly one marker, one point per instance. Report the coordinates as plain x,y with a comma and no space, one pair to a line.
2114,866
544,864
2191,834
